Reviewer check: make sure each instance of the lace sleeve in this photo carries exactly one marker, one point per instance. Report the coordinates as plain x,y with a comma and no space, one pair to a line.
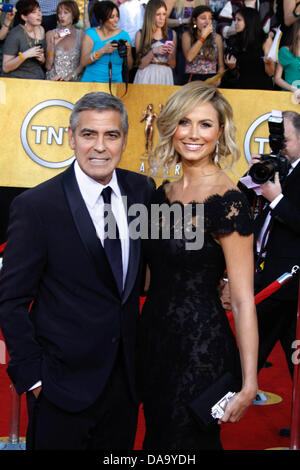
228,213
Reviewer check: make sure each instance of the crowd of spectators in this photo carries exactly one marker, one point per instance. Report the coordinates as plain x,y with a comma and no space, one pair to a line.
228,43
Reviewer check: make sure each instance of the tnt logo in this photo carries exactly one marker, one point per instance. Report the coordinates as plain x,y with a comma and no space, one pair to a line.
257,137
44,134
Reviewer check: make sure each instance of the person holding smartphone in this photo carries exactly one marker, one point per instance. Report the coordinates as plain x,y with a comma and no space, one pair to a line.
9,16
64,44
24,47
155,47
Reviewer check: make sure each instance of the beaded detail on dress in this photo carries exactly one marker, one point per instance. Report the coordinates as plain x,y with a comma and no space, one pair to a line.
185,342
65,62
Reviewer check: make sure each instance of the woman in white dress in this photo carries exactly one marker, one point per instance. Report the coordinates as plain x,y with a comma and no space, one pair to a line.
155,47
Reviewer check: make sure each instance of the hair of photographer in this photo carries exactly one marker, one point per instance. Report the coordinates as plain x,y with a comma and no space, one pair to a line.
100,53
24,48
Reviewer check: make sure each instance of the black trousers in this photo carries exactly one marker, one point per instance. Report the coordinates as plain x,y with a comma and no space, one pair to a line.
277,320
110,423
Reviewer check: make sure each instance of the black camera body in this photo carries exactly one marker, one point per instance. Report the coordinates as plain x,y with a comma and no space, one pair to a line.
121,47
274,162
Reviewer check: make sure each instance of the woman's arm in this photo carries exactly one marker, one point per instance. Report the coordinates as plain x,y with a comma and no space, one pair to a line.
87,57
190,51
172,51
269,63
220,48
280,81
238,252
146,59
11,62
5,27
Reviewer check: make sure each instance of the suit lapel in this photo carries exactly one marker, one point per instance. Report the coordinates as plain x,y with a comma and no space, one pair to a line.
134,245
87,230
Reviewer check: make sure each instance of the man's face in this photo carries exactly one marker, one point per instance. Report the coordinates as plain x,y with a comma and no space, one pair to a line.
292,141
99,142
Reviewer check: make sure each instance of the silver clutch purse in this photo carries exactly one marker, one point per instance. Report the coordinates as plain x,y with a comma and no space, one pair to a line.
218,409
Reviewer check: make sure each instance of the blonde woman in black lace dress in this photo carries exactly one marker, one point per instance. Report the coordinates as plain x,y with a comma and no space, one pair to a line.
185,341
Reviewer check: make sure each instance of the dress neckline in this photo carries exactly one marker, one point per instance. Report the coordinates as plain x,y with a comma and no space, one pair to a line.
209,198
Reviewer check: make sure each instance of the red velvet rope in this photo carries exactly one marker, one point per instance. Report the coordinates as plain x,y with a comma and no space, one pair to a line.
295,419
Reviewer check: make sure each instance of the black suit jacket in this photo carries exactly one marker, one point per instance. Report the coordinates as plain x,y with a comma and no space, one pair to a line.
77,320
283,246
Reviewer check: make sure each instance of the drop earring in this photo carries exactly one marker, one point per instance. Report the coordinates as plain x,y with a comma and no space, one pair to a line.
216,159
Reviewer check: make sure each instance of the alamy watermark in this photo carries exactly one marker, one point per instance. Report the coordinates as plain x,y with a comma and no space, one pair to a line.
160,221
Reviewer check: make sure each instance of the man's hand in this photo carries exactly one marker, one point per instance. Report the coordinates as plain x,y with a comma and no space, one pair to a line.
270,190
36,391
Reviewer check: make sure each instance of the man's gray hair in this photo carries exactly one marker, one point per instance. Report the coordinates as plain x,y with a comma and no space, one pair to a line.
99,101
294,118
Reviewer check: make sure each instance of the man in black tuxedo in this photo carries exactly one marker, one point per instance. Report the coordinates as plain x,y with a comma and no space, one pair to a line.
277,245
74,352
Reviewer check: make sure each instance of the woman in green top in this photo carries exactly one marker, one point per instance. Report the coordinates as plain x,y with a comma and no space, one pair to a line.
288,65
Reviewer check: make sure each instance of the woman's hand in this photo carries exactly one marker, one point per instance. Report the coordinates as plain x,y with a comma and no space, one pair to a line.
110,47
230,61
160,50
206,31
41,56
238,405
33,52
10,16
171,47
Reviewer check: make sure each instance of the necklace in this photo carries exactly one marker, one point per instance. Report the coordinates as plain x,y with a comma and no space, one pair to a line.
31,41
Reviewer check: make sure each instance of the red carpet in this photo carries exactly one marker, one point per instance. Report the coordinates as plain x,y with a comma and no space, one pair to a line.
258,430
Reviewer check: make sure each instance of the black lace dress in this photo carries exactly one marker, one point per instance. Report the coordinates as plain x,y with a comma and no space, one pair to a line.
185,342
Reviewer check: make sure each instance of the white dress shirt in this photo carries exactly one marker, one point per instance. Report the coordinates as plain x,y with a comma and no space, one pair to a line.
91,193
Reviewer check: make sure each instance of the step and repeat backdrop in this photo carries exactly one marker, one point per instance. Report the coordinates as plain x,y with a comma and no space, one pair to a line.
34,119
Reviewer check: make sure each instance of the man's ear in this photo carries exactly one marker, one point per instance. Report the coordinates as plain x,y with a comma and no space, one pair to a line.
71,138
124,142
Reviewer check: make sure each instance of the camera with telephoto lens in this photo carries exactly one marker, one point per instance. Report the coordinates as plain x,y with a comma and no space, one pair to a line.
122,49
265,170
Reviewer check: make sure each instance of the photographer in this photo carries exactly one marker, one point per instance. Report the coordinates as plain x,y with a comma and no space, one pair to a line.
277,244
105,47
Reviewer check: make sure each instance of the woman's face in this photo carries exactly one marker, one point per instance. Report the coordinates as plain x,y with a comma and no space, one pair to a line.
112,22
239,23
160,17
34,18
197,133
65,16
203,20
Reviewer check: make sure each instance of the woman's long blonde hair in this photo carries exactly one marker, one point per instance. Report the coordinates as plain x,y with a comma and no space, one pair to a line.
178,106
149,27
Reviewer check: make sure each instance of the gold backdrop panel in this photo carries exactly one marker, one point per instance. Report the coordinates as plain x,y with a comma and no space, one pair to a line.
34,117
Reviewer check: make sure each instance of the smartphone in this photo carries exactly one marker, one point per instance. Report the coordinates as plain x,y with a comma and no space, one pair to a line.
168,43
7,7
64,32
